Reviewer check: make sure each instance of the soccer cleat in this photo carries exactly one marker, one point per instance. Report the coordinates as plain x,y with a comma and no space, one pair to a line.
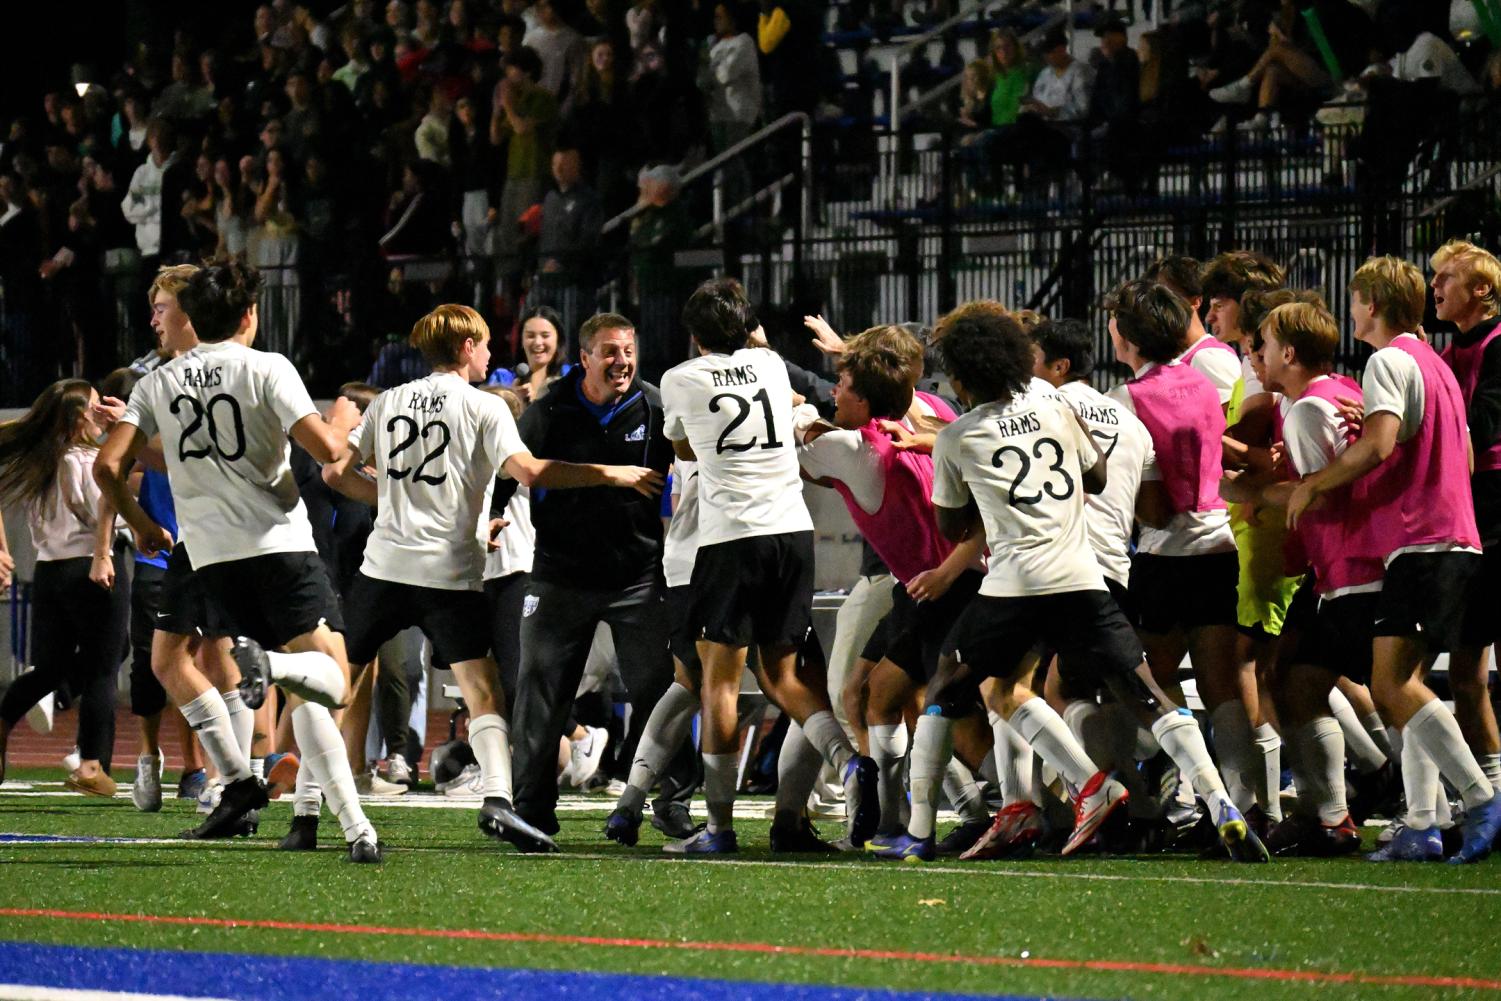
905,848
1098,799
1239,837
583,765
674,820
281,773
962,838
190,785
1013,834
146,792
398,771
862,798
372,785
801,837
705,842
303,837
365,849
623,827
499,819
250,823
255,671
1412,845
1306,837
470,784
225,820
1480,829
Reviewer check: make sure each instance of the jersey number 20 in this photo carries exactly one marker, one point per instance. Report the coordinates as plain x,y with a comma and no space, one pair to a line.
744,405
205,413
412,434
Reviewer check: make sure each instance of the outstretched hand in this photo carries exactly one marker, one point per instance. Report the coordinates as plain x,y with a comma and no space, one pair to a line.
824,338
906,440
646,482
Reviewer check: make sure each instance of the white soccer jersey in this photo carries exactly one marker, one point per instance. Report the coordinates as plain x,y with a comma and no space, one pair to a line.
436,445
736,412
1022,462
1127,445
223,411
518,540
680,548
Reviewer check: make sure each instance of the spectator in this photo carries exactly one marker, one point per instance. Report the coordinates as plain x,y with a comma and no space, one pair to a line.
273,248
302,125
232,206
560,48
1115,101
643,22
789,36
731,81
129,131
476,170
318,33
545,346
199,209
598,122
525,118
432,134
1287,76
975,91
27,365
356,57
658,232
1061,91
1013,76
184,98
568,247
416,217
142,205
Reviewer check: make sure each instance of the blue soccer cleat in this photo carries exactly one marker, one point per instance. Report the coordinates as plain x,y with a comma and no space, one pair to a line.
906,848
1412,845
1481,827
1239,837
623,826
704,842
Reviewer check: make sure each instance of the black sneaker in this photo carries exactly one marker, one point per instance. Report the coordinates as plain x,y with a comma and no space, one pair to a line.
674,821
802,837
227,819
499,819
862,801
962,838
366,850
623,826
303,837
255,671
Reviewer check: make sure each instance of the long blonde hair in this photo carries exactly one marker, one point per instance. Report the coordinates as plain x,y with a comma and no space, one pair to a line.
32,446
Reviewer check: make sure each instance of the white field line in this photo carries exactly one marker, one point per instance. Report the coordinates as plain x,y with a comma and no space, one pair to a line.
27,992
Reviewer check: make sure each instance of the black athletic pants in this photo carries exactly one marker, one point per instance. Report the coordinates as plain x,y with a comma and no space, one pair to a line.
557,630
78,637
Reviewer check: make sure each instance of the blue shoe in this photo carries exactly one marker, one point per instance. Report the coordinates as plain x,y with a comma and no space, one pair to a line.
1411,845
908,849
190,786
862,799
877,842
1481,827
1239,838
623,827
704,842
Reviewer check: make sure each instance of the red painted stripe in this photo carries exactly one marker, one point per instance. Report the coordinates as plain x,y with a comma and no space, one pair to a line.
766,948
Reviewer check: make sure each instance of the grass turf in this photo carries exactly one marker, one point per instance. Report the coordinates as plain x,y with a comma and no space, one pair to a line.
441,873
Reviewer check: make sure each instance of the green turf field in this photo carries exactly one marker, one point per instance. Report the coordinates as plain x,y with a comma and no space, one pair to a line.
970,921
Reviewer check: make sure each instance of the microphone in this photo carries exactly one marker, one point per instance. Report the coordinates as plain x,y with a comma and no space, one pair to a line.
522,370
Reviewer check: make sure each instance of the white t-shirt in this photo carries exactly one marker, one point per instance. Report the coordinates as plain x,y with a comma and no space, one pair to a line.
63,521
1221,368
736,412
680,548
1313,432
1248,376
223,411
845,456
1022,464
1188,533
518,540
1110,515
1393,384
436,444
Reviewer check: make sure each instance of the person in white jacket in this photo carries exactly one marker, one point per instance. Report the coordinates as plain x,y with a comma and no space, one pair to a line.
730,79
142,206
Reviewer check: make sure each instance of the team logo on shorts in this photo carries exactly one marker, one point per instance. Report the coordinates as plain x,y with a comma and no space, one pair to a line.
637,435
529,605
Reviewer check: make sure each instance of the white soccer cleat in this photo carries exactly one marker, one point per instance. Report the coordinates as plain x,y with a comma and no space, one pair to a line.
146,793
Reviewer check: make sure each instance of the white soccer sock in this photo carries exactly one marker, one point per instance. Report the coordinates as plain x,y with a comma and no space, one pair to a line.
1268,778
258,768
1320,768
932,746
310,675
1110,741
490,739
798,765
1420,784
1232,742
1178,734
660,739
323,752
1040,726
959,785
1364,753
1013,761
307,801
719,790
1490,764
241,720
1435,728
1443,814
209,718
888,748
824,732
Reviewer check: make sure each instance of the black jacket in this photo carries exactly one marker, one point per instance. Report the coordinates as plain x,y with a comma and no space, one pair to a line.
598,538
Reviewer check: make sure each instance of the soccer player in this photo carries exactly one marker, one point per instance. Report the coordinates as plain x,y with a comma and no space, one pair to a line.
1333,614
1467,292
730,409
1413,457
1197,347
1184,573
436,445
1016,467
224,412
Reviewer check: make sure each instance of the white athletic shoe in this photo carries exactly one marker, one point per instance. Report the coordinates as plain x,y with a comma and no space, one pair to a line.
72,761
398,771
1240,91
371,784
584,756
40,715
469,785
209,798
146,793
